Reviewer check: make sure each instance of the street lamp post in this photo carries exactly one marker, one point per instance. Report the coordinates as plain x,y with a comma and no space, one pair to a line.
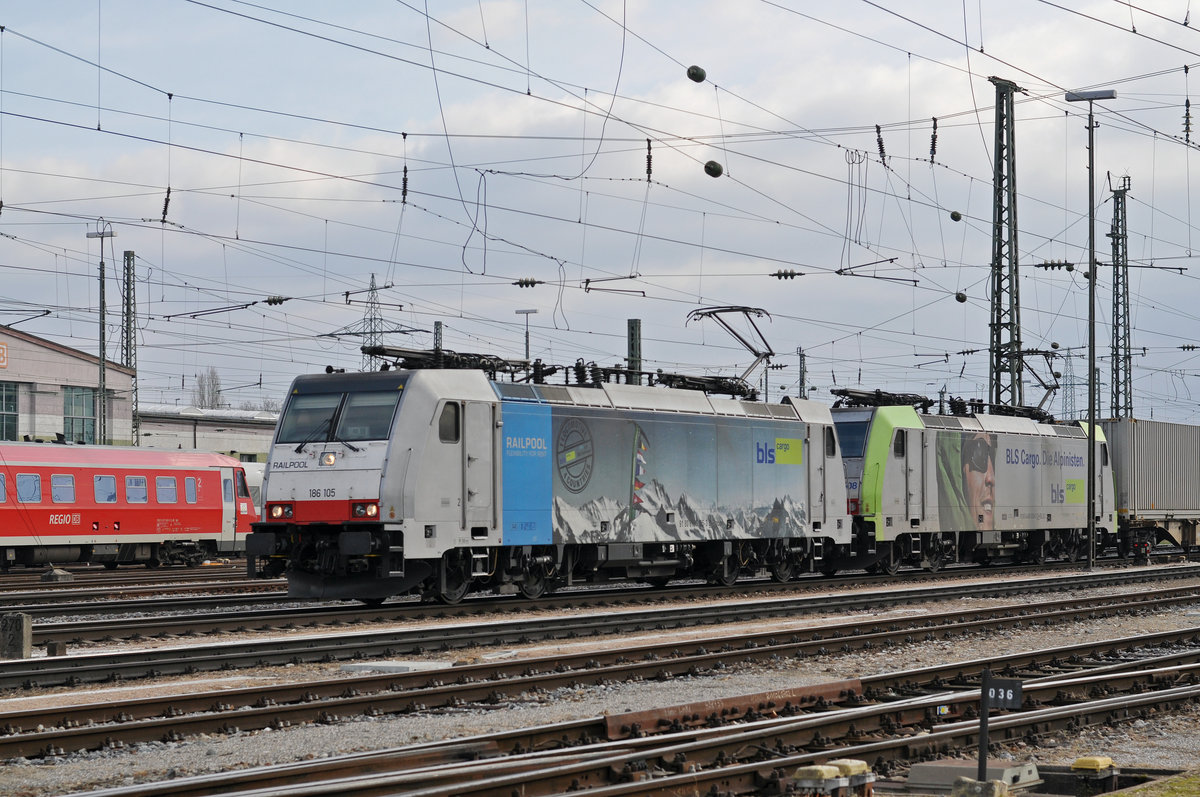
1090,97
526,313
103,230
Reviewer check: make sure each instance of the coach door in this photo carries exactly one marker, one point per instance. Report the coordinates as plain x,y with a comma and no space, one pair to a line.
229,513
477,464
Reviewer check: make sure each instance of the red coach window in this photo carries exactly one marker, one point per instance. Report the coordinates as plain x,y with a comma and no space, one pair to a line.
189,489
135,490
104,489
165,490
62,488
29,488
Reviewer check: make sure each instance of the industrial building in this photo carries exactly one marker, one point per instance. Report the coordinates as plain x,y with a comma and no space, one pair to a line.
51,393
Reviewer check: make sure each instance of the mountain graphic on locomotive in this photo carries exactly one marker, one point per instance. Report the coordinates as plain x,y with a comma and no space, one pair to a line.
440,480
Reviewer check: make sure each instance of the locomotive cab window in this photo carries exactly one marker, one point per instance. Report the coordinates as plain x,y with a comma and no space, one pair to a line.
367,416
29,488
136,491
62,488
854,437
308,418
448,423
243,490
830,442
104,489
1104,455
900,443
165,490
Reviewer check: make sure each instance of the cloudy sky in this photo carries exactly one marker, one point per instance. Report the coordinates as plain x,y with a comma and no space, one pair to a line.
295,151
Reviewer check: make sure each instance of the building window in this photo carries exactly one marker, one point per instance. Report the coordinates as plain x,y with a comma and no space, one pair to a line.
8,411
79,414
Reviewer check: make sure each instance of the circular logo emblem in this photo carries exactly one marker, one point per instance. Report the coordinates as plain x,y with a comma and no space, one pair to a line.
573,452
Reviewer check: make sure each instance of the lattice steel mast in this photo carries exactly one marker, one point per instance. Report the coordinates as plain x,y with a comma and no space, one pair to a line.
129,340
1122,358
1004,375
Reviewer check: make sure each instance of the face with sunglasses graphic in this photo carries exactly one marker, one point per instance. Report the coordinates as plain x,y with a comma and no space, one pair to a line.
979,478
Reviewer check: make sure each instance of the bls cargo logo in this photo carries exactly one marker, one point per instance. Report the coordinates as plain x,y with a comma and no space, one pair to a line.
573,453
786,451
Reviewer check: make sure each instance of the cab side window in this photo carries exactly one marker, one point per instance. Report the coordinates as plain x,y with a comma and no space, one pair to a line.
448,425
900,443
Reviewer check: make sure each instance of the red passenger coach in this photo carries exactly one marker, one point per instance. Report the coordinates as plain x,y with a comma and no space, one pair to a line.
119,505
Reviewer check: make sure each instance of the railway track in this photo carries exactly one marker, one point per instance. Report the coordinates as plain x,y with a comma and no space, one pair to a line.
89,576
204,592
172,717
746,744
213,623
446,636
96,588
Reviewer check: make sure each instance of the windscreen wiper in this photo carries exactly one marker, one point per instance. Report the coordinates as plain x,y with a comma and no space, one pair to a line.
346,443
314,434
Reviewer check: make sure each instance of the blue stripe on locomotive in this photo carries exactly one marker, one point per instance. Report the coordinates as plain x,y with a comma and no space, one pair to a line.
528,475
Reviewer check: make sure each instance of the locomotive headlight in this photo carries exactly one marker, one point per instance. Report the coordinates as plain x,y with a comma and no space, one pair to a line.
280,511
365,510
328,458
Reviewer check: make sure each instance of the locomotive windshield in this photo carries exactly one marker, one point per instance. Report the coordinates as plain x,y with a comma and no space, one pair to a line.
308,418
853,436
317,417
367,416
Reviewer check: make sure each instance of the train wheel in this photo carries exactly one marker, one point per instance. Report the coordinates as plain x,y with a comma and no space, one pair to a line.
782,566
538,573
890,563
941,551
726,572
1076,548
535,584
783,570
454,576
